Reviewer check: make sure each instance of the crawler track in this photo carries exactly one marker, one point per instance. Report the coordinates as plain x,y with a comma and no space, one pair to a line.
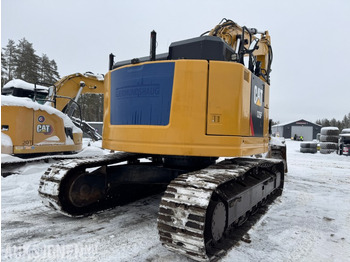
186,210
52,183
198,210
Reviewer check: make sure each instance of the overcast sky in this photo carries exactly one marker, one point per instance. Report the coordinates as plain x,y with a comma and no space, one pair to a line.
310,40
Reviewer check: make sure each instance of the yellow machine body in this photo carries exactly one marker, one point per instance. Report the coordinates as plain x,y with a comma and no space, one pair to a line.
37,131
35,128
212,108
172,115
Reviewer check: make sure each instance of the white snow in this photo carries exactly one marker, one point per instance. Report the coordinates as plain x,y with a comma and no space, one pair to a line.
278,141
8,158
6,144
346,130
309,222
18,83
99,77
53,140
330,128
88,151
6,140
28,103
69,141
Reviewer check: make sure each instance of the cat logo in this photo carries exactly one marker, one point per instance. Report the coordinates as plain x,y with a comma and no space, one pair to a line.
41,119
258,96
46,129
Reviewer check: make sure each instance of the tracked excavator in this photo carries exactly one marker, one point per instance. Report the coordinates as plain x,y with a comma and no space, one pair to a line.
171,116
39,120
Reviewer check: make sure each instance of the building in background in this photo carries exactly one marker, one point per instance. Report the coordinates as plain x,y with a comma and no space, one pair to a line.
299,128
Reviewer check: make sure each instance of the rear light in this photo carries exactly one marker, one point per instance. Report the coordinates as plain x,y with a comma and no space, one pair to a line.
345,150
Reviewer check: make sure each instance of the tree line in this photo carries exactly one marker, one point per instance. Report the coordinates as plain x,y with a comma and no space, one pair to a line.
91,107
344,123
20,61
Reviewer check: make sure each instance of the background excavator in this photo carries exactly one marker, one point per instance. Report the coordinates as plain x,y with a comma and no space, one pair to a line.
172,116
39,120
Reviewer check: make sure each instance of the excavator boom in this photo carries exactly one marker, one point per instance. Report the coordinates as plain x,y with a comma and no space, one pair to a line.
245,42
74,85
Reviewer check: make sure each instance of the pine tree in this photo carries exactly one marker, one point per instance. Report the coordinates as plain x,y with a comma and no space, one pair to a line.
334,123
47,70
20,61
274,123
325,122
8,65
88,112
346,121
54,76
3,69
27,62
44,69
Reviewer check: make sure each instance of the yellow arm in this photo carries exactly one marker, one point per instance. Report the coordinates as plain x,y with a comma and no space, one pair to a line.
72,86
241,38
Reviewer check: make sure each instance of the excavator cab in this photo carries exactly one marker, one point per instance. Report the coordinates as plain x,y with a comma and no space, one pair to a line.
20,88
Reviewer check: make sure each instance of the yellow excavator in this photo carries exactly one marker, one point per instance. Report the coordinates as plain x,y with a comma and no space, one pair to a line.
37,119
172,116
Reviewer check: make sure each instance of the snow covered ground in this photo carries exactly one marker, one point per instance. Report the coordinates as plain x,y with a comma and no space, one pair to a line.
309,222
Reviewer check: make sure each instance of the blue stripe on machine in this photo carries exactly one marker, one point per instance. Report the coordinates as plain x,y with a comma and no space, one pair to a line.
141,94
